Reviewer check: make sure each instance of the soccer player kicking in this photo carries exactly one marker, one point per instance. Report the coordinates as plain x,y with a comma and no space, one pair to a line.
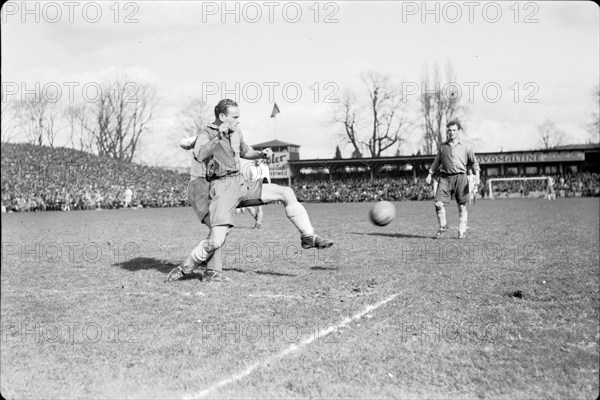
452,161
219,147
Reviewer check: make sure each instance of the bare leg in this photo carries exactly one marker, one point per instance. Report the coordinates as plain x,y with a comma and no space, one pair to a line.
259,214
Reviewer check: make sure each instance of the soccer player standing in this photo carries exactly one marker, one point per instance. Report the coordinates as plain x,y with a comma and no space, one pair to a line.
551,195
259,172
220,146
453,160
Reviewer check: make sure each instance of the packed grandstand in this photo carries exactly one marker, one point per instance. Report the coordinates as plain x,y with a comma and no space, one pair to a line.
40,178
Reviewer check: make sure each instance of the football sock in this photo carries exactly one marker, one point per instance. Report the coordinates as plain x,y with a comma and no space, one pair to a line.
441,214
215,263
299,217
462,218
199,254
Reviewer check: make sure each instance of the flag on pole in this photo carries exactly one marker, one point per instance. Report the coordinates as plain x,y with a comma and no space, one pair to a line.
275,110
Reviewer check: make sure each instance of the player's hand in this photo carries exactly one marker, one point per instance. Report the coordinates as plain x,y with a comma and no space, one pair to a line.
267,153
224,129
428,179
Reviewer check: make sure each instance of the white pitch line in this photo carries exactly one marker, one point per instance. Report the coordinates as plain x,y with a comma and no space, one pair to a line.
292,348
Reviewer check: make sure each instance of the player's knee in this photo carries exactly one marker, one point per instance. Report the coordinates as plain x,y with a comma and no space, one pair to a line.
288,195
210,246
439,205
216,240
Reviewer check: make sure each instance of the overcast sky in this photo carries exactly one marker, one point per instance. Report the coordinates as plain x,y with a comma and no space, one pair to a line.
184,47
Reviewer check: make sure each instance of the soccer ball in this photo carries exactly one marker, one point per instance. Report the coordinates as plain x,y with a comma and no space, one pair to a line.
382,213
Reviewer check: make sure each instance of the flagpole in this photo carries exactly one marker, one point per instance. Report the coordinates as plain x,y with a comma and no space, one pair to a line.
274,116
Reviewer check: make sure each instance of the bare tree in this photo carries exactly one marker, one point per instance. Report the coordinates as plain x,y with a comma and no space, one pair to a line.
594,126
10,120
39,117
550,135
120,117
375,124
346,113
53,124
440,104
76,116
387,113
32,113
194,116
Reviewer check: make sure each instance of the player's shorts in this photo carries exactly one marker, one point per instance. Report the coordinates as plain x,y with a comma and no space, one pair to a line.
550,190
198,190
453,186
230,192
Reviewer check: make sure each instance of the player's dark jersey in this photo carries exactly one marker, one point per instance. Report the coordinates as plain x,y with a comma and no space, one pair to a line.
221,156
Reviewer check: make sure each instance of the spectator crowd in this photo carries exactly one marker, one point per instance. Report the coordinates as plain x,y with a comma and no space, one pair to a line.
583,184
38,178
357,190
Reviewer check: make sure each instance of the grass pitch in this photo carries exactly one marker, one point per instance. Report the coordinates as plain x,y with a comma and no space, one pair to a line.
512,311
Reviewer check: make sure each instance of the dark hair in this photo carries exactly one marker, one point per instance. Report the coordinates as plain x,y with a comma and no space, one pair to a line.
223,105
454,122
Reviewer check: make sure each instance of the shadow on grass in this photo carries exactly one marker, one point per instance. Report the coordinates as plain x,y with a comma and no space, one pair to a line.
319,268
256,271
145,263
394,235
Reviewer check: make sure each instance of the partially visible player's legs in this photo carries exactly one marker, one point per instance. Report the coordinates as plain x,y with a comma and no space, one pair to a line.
198,198
257,213
463,195
462,219
441,216
296,213
207,248
441,213
216,261
442,195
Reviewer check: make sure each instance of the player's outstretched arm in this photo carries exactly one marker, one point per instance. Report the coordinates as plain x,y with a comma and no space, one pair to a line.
252,154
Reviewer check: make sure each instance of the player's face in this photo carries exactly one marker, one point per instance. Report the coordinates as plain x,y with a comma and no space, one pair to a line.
232,117
452,132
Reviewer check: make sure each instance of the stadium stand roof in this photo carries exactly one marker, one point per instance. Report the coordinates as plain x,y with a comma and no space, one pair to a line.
588,146
319,162
275,143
